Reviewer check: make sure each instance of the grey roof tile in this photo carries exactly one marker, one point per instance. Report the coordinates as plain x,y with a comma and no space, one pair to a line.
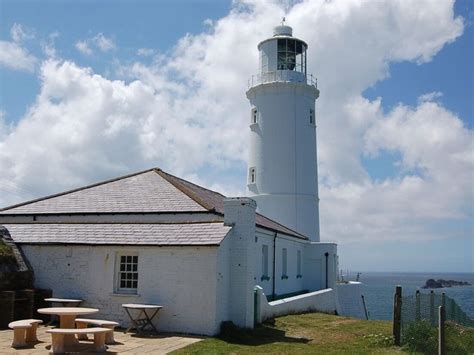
123,234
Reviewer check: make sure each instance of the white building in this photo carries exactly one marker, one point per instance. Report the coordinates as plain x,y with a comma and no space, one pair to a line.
151,237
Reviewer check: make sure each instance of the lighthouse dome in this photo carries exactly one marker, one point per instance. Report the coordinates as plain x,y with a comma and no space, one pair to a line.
282,30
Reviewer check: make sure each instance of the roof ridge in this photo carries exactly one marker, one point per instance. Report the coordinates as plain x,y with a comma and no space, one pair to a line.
75,190
181,187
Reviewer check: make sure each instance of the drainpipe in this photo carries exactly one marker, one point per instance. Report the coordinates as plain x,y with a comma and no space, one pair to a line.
274,263
326,255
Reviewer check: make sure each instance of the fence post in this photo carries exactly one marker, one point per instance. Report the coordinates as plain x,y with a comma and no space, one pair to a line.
453,310
441,335
417,306
432,309
397,315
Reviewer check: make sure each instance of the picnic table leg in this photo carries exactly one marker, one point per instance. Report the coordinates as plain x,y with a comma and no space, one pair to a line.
57,345
134,323
66,321
31,333
149,322
99,342
81,325
18,338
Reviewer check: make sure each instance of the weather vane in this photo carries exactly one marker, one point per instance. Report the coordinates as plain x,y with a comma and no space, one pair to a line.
283,21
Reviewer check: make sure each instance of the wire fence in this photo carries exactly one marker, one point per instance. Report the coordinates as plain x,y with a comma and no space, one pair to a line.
423,307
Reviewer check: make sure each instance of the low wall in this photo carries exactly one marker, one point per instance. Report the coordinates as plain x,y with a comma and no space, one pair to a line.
320,301
349,300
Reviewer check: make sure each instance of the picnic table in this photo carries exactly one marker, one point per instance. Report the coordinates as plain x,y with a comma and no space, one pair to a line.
65,302
67,316
143,319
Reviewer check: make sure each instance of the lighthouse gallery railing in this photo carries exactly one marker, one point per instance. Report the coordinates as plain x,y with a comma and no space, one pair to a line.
282,75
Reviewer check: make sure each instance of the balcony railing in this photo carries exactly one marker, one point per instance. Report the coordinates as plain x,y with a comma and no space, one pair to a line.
282,75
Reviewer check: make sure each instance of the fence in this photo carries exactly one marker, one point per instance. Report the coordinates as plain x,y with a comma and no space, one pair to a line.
425,311
424,307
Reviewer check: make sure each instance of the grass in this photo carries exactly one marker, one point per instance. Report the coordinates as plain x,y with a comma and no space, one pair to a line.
317,333
311,333
6,254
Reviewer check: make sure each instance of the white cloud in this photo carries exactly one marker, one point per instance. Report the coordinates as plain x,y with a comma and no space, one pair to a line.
20,33
145,52
187,111
103,43
431,96
15,57
99,41
83,47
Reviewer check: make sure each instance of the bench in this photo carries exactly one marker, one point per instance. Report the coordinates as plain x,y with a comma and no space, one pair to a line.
24,331
58,334
82,323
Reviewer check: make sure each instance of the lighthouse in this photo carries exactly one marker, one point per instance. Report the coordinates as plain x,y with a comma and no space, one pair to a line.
282,163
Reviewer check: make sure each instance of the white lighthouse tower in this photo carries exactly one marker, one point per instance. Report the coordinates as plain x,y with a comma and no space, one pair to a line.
282,165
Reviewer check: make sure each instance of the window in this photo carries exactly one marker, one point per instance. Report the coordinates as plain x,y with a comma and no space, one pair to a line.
291,55
284,265
252,175
127,278
254,116
311,116
265,263
298,264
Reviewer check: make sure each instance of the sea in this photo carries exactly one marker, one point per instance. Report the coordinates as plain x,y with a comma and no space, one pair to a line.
379,288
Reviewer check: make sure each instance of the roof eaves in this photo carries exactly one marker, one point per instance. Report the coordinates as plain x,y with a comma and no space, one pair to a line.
75,190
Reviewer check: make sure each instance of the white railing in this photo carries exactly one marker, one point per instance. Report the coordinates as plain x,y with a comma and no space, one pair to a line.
282,75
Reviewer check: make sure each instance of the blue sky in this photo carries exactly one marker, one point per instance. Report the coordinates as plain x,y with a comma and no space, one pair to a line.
381,84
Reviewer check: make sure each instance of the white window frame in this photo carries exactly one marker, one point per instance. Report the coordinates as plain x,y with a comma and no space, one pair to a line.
264,263
252,175
127,264
298,264
254,116
284,263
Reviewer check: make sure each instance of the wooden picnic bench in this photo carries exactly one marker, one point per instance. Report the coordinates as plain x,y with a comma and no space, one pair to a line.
82,323
58,335
24,331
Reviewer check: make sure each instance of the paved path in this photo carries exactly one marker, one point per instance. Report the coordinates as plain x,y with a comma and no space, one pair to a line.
126,343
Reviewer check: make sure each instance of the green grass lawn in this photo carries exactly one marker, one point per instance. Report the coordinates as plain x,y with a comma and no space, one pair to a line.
312,333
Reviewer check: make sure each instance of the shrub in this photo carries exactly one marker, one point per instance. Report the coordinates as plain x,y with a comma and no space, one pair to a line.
421,337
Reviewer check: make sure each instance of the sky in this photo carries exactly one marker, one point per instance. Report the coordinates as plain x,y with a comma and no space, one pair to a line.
94,90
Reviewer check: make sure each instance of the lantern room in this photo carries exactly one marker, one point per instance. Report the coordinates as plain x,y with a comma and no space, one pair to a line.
283,52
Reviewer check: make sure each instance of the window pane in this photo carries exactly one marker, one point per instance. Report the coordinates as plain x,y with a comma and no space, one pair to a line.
291,45
122,267
135,259
122,259
299,47
135,276
282,45
122,283
129,259
129,267
134,267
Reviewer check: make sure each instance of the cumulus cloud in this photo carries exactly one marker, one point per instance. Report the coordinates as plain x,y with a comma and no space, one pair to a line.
19,33
83,47
13,55
99,41
187,113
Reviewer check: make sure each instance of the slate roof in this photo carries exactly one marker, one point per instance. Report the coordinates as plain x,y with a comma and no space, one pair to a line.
140,234
149,191
142,192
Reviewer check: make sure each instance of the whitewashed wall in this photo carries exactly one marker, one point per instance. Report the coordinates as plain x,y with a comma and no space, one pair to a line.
319,301
282,286
182,279
349,299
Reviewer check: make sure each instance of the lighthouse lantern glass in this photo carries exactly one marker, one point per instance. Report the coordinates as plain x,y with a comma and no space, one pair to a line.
291,55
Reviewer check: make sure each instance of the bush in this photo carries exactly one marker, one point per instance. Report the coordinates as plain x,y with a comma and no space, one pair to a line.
421,337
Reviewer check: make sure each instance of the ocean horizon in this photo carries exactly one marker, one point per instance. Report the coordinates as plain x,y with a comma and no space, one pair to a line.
379,287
